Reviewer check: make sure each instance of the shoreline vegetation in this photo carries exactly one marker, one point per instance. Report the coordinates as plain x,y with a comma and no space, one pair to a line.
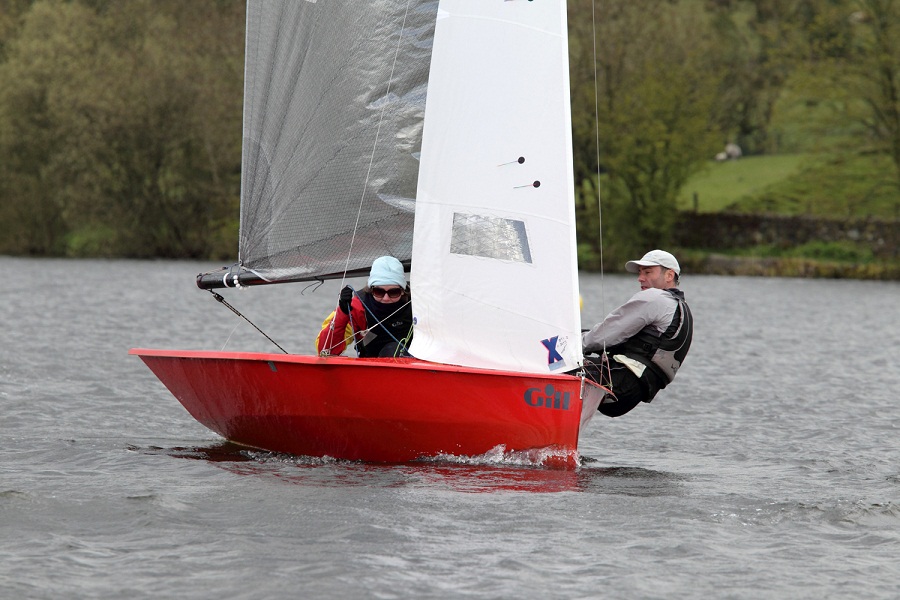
696,262
693,262
748,138
814,215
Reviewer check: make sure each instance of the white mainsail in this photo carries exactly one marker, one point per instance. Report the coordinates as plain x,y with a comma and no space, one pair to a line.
494,276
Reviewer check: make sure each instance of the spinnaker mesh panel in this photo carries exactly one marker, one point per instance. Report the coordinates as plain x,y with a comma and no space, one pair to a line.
334,103
490,237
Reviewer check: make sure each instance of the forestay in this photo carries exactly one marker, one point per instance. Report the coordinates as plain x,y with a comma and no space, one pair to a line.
495,280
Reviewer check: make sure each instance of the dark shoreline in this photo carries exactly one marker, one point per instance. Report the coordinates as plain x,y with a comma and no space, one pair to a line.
721,264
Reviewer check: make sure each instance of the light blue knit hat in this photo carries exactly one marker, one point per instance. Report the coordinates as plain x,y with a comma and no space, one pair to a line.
387,270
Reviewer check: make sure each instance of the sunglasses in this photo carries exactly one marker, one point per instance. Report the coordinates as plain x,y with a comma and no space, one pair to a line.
392,293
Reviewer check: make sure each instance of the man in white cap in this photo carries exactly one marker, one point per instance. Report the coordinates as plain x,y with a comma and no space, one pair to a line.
378,317
641,344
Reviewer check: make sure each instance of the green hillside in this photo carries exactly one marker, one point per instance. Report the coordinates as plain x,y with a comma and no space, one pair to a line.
849,185
722,184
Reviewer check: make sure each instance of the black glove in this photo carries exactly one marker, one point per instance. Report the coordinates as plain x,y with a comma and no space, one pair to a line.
344,301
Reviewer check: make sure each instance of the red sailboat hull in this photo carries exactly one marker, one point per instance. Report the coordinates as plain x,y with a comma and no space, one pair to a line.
380,410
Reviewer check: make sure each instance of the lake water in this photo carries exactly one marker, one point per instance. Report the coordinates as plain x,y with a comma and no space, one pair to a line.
769,469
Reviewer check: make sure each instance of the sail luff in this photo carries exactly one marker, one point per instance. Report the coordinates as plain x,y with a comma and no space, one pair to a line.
249,39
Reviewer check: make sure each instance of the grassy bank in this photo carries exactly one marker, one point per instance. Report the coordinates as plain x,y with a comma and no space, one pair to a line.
723,184
825,186
832,186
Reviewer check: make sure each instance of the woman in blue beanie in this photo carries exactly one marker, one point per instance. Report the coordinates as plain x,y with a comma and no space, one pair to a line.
378,317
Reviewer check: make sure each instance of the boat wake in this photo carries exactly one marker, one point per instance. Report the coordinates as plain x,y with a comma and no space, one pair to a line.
544,470
552,456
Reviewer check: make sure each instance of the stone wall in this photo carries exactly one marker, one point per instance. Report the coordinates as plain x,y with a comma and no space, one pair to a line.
723,231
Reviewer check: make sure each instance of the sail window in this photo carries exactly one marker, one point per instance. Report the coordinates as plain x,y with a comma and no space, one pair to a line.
490,237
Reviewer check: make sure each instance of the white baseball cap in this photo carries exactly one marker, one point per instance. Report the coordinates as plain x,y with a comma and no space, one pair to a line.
652,259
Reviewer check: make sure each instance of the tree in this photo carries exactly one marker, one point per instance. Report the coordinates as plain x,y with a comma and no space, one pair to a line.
873,70
657,91
30,209
124,121
758,48
852,69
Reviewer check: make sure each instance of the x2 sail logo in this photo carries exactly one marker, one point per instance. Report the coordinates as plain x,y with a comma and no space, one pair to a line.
550,398
555,347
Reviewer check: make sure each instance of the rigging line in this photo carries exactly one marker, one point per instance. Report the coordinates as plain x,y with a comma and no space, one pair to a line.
353,329
335,342
367,328
403,345
219,298
379,322
331,334
597,146
375,143
597,156
228,339
315,285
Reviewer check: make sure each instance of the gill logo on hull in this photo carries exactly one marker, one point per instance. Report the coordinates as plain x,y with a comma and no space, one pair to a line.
551,398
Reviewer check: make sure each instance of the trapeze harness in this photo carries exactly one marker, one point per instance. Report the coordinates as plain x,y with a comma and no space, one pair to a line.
390,326
661,355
